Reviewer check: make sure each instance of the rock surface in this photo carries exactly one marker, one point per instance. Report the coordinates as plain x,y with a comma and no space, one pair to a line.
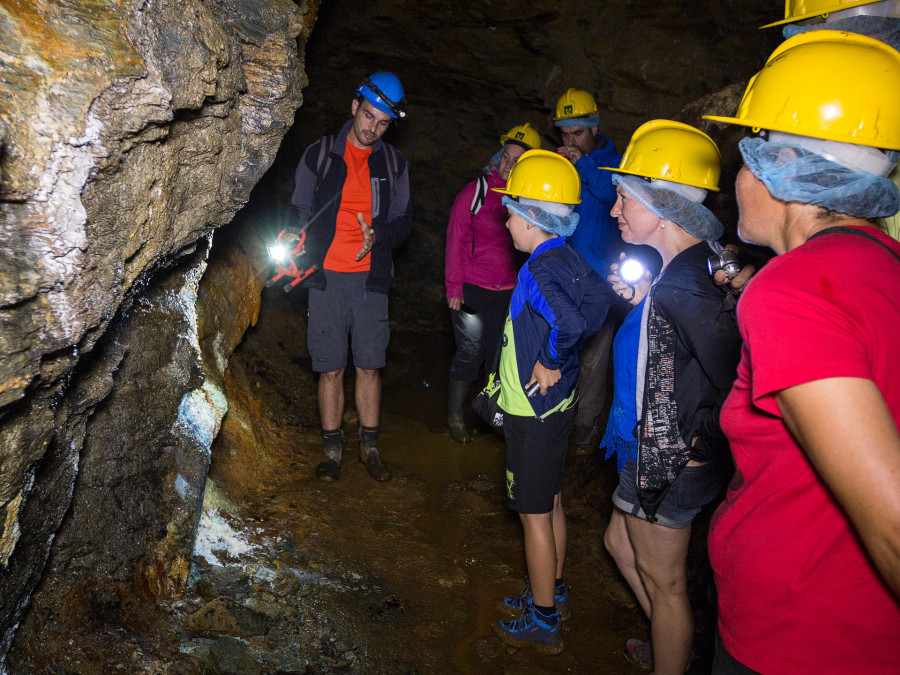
131,130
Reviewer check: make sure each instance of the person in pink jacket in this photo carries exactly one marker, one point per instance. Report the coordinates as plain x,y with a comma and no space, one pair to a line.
480,271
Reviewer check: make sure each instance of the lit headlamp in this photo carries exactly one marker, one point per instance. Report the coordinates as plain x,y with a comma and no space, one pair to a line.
396,107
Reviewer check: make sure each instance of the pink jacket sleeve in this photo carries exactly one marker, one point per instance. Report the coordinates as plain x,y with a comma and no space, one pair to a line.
459,241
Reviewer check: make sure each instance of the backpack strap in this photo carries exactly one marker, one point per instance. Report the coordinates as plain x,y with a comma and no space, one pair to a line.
858,233
323,163
480,195
393,166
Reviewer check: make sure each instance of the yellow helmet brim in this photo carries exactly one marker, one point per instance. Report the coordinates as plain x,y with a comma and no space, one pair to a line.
642,175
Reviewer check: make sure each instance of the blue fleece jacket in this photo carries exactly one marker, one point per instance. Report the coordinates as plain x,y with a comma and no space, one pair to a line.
597,236
558,302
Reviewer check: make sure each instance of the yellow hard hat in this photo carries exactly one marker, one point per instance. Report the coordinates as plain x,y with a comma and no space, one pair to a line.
827,84
523,134
662,149
575,103
801,10
544,175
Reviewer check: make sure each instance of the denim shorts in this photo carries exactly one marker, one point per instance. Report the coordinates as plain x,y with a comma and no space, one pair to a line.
343,311
694,488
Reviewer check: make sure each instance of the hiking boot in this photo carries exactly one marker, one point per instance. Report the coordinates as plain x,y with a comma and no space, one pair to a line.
512,606
531,629
328,470
457,392
368,455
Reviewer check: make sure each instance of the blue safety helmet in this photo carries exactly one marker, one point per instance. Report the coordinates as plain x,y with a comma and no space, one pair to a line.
384,91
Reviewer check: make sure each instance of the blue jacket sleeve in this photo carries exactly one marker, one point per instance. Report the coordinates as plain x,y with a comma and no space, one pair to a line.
561,312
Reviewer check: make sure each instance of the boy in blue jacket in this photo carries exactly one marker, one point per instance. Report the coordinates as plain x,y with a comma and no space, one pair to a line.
558,301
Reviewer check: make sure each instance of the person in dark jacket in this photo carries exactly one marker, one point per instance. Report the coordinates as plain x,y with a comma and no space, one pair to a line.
673,455
598,241
557,302
351,195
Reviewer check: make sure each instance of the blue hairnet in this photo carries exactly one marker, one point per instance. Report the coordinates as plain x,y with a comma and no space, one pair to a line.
795,174
494,163
590,121
883,28
538,213
660,199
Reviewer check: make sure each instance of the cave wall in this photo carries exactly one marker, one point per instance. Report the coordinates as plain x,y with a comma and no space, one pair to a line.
130,131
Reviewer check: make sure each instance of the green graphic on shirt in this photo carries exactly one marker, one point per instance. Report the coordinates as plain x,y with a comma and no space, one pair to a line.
510,484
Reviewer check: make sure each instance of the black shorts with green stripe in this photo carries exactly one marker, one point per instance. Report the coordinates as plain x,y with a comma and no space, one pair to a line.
535,459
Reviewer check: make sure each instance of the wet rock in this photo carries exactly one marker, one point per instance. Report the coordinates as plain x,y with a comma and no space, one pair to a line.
224,616
230,656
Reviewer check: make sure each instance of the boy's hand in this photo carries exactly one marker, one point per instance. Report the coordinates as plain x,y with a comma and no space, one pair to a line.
545,376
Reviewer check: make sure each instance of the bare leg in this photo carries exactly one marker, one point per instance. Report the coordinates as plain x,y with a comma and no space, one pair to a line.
558,521
368,396
661,558
618,543
540,555
331,398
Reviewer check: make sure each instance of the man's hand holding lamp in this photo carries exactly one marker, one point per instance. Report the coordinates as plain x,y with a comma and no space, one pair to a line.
278,253
285,252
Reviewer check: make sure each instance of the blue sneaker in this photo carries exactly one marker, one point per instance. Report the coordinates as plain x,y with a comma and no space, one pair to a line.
512,606
531,629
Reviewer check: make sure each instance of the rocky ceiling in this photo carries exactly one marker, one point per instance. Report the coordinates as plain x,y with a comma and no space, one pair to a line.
132,129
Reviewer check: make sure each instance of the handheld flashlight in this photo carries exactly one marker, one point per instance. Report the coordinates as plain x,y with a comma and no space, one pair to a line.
723,259
532,391
631,271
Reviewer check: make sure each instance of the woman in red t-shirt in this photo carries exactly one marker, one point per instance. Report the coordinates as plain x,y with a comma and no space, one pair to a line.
806,546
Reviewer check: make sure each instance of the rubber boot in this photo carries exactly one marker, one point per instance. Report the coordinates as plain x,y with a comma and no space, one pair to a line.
457,393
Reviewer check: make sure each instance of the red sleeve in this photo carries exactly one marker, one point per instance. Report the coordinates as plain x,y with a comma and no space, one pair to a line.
459,241
801,322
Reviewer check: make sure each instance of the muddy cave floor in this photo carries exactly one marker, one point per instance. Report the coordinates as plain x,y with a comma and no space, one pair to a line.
360,576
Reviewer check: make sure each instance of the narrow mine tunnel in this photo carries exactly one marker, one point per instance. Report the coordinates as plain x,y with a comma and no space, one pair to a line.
158,414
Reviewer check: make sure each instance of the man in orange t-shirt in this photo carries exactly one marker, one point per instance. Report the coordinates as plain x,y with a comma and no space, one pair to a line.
351,195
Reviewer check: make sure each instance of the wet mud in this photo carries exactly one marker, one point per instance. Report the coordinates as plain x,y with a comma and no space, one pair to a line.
293,575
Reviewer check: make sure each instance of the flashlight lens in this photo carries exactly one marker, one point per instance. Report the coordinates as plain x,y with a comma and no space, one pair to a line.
631,271
277,252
